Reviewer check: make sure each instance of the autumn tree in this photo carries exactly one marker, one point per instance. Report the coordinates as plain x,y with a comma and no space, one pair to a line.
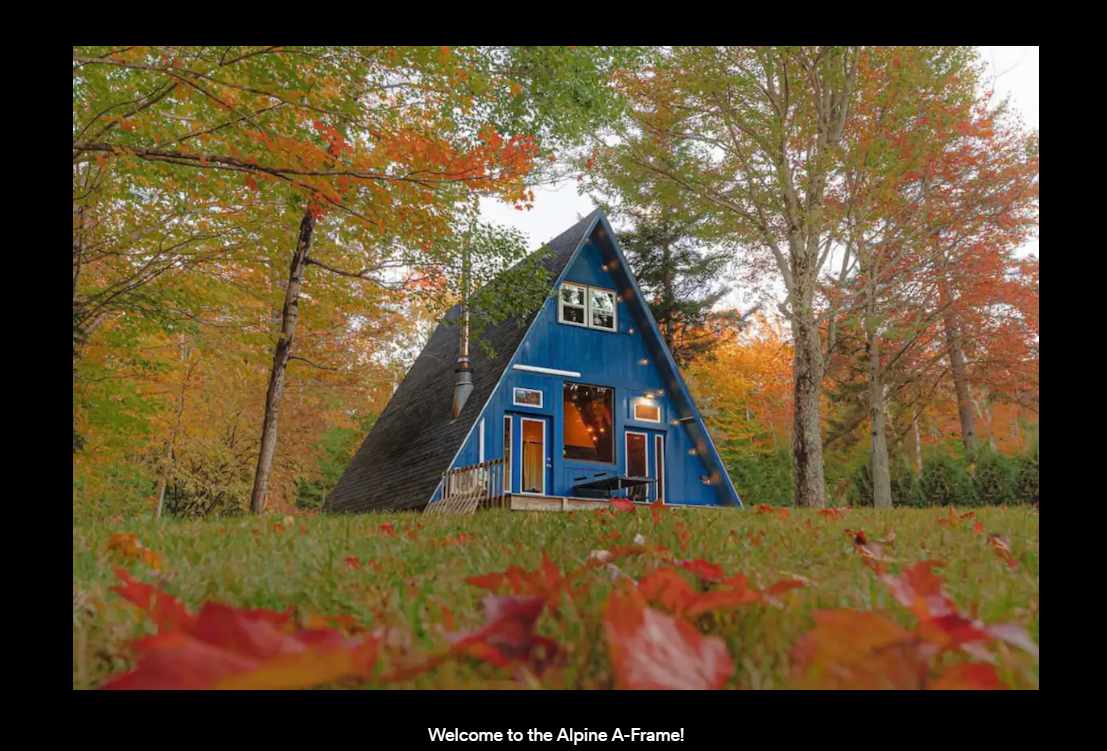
755,134
385,144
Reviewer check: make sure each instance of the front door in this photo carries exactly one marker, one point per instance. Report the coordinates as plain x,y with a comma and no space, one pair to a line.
534,454
638,464
645,457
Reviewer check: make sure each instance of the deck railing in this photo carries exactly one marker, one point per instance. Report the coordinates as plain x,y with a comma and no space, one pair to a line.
465,489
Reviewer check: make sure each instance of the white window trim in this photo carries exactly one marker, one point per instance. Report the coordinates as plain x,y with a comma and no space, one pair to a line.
561,304
659,466
516,403
480,450
643,401
588,307
508,452
548,371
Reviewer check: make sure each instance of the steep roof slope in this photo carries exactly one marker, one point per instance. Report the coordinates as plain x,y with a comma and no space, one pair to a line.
413,441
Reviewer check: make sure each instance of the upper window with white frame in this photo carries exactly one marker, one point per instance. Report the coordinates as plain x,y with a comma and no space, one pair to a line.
573,306
591,307
521,397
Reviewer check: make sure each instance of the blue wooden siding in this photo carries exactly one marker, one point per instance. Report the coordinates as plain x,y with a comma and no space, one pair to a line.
621,360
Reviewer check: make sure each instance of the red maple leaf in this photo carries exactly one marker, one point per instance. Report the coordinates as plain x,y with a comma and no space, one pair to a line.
226,647
621,504
508,637
652,650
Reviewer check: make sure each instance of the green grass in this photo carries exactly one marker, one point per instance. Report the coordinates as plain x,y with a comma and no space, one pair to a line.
246,562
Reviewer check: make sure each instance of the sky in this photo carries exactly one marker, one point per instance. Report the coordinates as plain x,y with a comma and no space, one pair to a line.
556,208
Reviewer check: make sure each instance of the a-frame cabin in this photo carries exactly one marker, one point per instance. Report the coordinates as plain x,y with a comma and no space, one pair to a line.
581,400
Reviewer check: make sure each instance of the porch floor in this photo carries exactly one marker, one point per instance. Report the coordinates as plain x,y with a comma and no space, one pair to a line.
529,502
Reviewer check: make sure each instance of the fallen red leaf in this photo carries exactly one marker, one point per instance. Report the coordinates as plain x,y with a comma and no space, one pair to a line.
165,610
226,647
652,650
1002,545
508,637
968,676
706,570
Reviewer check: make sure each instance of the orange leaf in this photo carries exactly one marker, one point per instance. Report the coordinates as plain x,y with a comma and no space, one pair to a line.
852,649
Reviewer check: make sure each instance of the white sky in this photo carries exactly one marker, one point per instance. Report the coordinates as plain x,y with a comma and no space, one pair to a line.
557,208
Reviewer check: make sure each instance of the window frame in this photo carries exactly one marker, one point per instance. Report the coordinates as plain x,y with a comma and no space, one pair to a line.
587,307
561,304
614,310
516,403
612,438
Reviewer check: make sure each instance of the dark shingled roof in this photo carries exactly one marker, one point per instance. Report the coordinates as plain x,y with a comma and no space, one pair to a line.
414,440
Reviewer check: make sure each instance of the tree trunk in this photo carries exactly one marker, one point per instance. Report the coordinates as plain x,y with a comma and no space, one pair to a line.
171,444
807,441
163,481
280,364
878,445
960,379
918,445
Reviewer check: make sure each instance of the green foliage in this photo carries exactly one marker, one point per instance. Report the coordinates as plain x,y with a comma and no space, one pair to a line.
336,448
905,484
680,276
946,482
994,478
762,476
1026,476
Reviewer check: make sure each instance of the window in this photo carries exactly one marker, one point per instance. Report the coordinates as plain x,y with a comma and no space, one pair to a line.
592,307
588,423
527,398
573,308
646,410
602,307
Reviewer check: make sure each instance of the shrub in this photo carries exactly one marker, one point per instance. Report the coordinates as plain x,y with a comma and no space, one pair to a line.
994,479
905,485
945,482
1026,477
763,477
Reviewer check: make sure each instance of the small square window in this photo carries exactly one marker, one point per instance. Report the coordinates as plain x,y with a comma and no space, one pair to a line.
647,411
527,398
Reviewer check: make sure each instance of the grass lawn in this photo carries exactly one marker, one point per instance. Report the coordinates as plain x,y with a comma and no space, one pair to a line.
409,579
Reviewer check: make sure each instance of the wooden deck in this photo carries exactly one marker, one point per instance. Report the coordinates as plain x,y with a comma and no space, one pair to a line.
528,502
